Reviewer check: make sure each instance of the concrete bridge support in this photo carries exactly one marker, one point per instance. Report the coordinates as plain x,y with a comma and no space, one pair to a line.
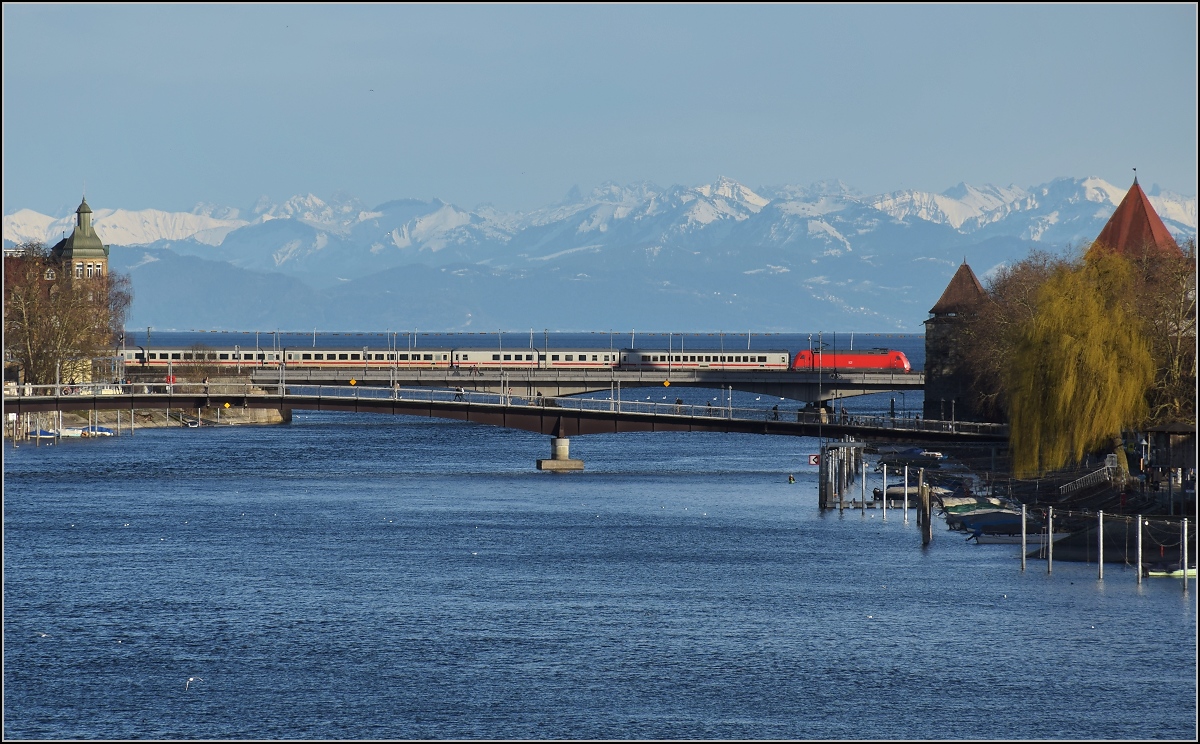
560,457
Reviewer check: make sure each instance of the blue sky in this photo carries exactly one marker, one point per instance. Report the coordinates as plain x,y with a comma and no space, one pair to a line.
166,106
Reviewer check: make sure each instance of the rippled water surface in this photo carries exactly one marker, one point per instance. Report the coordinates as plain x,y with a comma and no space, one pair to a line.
376,577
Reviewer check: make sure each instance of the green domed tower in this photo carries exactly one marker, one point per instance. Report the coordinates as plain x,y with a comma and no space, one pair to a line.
81,254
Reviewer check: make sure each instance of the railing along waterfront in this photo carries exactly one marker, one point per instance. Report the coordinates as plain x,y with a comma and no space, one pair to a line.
301,394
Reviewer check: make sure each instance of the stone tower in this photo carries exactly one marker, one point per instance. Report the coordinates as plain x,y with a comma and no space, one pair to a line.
948,391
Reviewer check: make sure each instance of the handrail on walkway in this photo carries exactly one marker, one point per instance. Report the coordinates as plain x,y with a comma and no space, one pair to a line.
465,397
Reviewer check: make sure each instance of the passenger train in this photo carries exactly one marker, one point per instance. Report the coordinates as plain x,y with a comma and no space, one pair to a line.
368,358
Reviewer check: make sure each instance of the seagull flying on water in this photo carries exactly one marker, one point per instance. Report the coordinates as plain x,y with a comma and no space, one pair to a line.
190,680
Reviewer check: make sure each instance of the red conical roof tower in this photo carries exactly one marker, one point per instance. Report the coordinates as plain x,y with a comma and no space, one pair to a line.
963,294
1135,229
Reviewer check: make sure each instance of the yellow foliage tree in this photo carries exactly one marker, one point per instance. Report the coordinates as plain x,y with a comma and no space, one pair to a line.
1080,368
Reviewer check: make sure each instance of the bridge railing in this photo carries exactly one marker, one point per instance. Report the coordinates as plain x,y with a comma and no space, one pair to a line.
444,395
471,397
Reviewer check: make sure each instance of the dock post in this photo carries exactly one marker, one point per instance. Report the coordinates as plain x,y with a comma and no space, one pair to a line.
1023,544
926,508
1099,542
906,496
822,487
1139,548
1183,560
863,503
844,485
1049,542
920,484
885,493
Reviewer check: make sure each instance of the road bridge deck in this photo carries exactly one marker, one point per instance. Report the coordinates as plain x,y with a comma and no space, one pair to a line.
555,416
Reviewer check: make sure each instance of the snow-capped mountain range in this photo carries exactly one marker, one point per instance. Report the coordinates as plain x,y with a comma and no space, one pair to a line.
720,255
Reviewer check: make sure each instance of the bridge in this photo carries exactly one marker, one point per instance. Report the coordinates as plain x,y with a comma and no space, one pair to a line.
560,417
814,387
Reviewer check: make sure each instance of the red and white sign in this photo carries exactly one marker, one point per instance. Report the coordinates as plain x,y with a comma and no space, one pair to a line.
814,459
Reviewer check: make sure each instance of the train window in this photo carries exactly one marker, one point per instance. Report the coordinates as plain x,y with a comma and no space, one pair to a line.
428,358
570,358
593,357
541,357
175,355
508,357
677,358
224,356
354,356
402,357
187,356
318,356
391,357
554,357
343,356
762,359
495,357
529,357
306,356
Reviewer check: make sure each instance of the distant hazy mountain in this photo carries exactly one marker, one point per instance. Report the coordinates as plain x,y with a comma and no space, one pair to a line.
717,256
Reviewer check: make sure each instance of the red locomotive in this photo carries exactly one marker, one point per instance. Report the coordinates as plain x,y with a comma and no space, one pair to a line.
850,361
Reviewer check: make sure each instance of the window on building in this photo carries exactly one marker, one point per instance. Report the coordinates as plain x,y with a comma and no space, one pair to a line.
79,270
50,275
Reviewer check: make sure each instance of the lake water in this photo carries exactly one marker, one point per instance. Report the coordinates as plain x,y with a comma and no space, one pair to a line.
358,576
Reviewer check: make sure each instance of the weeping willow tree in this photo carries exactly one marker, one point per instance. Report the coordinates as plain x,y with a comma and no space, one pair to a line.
1080,366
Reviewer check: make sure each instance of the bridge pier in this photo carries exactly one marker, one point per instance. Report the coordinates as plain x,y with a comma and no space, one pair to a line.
560,457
